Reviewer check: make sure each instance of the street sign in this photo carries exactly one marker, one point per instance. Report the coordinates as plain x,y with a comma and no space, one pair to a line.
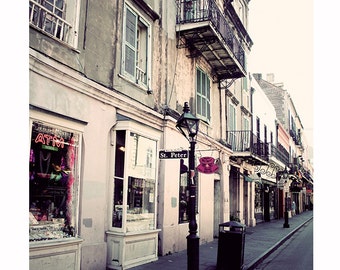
173,154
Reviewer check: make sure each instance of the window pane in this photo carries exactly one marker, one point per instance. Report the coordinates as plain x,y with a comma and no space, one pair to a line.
199,105
141,183
52,180
48,4
142,43
204,85
141,204
117,216
130,60
120,152
204,108
142,156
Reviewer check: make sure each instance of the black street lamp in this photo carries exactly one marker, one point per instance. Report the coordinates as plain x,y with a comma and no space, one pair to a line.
285,175
187,124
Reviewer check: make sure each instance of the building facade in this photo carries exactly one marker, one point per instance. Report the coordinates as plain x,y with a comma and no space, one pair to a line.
107,84
265,124
292,195
95,134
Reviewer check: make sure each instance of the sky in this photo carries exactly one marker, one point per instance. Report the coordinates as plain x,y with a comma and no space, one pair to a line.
282,33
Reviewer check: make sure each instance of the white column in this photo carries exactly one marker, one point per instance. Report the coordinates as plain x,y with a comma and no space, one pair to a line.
225,174
252,220
241,198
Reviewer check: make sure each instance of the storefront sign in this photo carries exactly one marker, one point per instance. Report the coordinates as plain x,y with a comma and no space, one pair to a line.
207,165
268,171
173,154
48,140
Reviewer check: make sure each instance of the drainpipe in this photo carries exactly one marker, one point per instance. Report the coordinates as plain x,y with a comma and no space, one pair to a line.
252,90
221,106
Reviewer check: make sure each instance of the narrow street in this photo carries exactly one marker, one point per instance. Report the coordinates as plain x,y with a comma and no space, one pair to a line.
295,254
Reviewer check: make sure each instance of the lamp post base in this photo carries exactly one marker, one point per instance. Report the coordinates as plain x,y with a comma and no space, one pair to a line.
193,251
286,224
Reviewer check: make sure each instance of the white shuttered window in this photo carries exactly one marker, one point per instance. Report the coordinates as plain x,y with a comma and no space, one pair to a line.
135,62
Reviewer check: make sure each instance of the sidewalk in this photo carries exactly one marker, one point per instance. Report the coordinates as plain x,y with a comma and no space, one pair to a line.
260,241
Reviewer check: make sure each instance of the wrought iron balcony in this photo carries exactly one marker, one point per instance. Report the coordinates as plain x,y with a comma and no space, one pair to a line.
279,153
248,146
219,37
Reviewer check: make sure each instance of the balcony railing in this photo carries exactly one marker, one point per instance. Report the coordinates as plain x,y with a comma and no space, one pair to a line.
141,76
209,26
246,141
48,21
280,153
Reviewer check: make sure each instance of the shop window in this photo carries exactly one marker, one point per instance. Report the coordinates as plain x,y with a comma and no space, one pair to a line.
135,162
272,199
56,18
183,193
258,198
119,179
52,182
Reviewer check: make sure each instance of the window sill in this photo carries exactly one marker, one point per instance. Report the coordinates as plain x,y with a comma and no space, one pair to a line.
54,242
63,43
141,87
151,231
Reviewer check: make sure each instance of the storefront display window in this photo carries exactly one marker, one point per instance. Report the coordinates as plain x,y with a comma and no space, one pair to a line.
258,199
271,199
140,177
52,182
117,217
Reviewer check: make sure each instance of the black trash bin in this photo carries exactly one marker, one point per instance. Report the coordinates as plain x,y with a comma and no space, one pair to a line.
230,253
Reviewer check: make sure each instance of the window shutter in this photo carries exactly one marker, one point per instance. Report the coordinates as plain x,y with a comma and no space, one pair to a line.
232,117
130,41
208,98
199,92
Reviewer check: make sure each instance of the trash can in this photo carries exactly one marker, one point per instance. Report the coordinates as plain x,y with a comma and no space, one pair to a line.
230,253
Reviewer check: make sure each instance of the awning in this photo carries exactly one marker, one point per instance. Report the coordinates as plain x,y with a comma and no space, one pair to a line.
252,178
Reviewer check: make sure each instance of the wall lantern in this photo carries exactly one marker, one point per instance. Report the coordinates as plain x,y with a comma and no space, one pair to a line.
285,173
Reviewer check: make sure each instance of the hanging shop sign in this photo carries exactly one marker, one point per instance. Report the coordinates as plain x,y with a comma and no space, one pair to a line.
173,154
207,165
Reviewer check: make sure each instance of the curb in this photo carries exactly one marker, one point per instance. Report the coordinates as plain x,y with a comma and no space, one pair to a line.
265,254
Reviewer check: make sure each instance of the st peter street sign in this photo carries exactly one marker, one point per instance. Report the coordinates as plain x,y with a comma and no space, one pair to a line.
173,154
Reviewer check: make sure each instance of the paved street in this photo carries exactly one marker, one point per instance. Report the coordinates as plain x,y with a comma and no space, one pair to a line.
260,242
296,253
